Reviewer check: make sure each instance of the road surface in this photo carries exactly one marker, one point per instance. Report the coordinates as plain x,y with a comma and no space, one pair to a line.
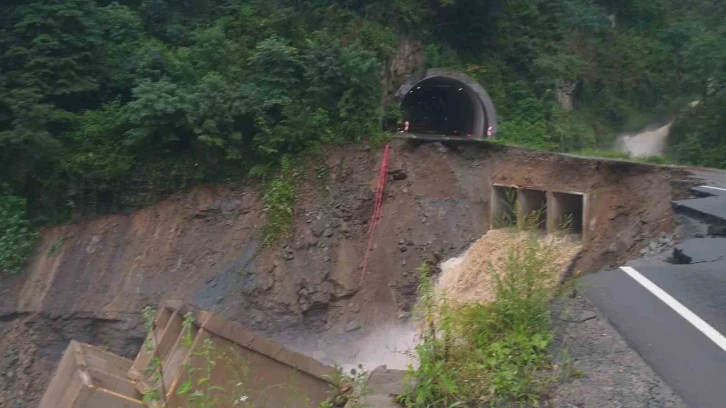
675,315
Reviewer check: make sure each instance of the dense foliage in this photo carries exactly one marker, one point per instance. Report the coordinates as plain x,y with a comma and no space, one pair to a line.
105,105
699,134
16,237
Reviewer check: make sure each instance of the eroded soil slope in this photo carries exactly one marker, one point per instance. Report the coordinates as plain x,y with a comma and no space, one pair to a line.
89,281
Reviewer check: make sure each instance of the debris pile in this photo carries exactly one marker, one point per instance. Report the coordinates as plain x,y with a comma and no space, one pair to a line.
469,278
658,245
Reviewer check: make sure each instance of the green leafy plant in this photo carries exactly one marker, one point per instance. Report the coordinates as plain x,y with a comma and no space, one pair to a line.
216,373
379,139
17,239
507,218
347,390
57,245
487,353
154,369
279,200
115,106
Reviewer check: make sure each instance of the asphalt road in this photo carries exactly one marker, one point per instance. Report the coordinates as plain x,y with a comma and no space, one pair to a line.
675,315
690,362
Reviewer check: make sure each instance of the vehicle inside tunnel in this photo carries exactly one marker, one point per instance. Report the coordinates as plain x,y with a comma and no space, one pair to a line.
441,106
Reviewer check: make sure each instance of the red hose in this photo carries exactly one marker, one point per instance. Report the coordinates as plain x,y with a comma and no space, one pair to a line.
377,207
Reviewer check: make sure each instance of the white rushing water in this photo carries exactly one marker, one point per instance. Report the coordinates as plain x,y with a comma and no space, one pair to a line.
649,142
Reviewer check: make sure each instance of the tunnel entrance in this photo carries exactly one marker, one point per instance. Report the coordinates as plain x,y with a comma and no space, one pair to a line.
442,102
440,106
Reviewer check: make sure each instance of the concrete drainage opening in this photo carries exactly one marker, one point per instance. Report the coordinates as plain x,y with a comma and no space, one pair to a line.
503,207
567,212
532,208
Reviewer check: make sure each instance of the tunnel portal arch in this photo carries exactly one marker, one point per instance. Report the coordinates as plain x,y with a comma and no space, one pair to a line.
481,115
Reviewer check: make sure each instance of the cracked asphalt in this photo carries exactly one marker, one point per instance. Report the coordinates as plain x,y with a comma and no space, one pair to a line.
674,315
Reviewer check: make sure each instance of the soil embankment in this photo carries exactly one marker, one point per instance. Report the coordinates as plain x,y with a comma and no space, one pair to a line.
89,281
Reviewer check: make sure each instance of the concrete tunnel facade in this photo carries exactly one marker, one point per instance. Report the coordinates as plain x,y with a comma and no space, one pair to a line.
467,104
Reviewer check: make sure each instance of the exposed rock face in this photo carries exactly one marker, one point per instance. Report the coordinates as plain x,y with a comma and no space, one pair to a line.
408,58
202,247
563,94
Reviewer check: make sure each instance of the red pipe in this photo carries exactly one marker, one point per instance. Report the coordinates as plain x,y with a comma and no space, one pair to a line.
377,207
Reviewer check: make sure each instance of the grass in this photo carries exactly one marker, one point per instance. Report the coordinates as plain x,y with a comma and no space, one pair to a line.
590,152
612,154
279,201
56,247
494,353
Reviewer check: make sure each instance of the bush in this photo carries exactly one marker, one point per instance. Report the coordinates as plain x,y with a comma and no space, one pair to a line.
279,200
17,239
496,352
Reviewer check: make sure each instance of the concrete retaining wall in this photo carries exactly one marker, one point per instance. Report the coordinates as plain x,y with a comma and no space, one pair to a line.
203,356
88,377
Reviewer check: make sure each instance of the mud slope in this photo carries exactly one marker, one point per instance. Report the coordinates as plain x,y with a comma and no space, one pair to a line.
202,247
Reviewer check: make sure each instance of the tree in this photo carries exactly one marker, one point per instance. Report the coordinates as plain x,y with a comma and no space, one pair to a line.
54,49
122,39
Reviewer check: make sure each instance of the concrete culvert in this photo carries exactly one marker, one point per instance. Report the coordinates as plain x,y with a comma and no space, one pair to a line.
447,103
567,212
503,212
532,208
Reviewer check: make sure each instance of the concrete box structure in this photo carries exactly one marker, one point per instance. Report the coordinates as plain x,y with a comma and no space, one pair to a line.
503,206
88,377
550,210
190,356
532,208
567,210
206,356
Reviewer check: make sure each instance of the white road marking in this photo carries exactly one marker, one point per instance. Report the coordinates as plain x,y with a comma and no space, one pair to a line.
714,188
678,307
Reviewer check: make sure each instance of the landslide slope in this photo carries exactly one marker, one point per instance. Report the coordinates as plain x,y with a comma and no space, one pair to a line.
89,281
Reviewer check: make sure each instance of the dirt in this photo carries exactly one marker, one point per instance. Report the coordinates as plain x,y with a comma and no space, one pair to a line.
607,373
469,278
89,281
33,344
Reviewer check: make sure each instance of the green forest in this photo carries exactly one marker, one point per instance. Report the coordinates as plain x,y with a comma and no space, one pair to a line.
105,106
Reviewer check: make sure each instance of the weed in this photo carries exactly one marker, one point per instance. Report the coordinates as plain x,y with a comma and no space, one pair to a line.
347,390
322,171
510,201
615,155
655,160
565,370
56,247
487,353
379,140
215,374
17,238
199,390
279,200
508,217
604,154
577,373
155,369
537,219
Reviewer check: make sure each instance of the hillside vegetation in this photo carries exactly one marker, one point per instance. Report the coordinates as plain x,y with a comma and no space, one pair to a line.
108,105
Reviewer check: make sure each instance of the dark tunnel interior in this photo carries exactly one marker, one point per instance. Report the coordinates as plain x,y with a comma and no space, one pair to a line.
441,106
